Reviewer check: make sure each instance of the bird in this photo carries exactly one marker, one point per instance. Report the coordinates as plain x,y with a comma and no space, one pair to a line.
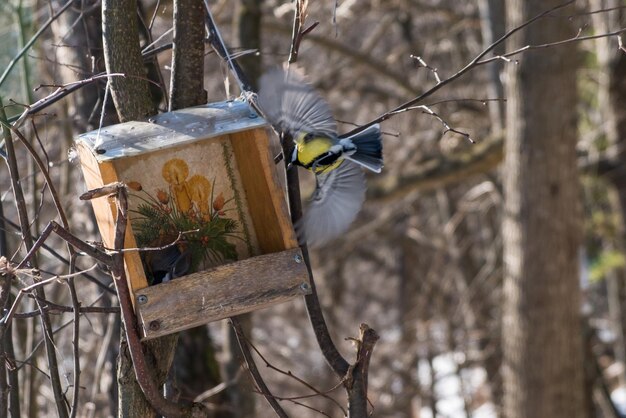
294,108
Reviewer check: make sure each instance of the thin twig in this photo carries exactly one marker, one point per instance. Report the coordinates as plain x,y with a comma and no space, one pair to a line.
317,392
29,289
178,239
218,389
59,309
75,334
59,257
297,33
576,38
423,64
58,94
254,372
5,337
311,408
32,40
218,45
428,111
71,239
458,74
18,193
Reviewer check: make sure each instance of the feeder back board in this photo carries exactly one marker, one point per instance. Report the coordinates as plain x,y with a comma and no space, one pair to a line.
207,172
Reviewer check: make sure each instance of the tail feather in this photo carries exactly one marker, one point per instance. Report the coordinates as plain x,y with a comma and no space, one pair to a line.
369,148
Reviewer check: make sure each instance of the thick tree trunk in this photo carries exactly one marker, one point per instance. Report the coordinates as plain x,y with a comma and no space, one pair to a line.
120,35
187,82
248,24
132,99
542,343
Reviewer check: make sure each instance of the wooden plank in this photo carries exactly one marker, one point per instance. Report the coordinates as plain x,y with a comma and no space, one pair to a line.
97,174
266,199
172,129
222,292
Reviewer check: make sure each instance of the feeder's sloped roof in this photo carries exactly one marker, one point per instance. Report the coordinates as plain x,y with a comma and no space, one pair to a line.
171,129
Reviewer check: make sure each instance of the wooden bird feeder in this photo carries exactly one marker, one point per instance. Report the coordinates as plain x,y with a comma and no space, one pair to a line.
206,172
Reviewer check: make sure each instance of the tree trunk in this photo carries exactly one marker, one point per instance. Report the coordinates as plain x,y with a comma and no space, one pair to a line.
187,82
542,230
248,24
132,99
120,36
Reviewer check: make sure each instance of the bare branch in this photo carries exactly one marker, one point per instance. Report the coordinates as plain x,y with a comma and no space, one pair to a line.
577,38
423,64
254,372
61,92
473,63
59,257
32,40
427,110
317,392
298,33
26,237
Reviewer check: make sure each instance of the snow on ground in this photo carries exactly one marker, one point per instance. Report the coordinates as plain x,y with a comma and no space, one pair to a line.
618,396
448,387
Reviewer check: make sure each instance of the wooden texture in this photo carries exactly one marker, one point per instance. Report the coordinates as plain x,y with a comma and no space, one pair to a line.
224,291
266,201
97,174
198,298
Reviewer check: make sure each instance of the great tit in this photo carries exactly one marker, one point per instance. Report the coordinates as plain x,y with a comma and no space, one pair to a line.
294,108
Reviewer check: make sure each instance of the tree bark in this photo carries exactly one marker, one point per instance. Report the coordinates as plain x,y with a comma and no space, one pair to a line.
542,230
248,24
132,99
187,82
120,36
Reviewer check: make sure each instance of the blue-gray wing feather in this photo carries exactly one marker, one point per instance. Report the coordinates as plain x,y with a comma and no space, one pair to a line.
334,205
292,105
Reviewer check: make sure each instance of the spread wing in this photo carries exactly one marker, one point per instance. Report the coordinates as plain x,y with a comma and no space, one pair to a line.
337,200
292,105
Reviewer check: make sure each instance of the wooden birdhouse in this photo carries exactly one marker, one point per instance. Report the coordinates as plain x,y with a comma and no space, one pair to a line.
207,173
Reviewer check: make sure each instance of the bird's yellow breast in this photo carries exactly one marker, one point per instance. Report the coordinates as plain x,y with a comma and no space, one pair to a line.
308,151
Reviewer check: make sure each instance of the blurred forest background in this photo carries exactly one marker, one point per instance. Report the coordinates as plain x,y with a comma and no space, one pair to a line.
495,276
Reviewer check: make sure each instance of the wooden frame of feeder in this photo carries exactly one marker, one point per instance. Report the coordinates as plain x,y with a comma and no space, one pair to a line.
277,275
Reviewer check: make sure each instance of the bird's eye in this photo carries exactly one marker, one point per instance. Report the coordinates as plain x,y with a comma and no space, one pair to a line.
308,137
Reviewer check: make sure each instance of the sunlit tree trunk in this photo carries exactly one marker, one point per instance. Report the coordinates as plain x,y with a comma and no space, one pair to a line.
542,343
